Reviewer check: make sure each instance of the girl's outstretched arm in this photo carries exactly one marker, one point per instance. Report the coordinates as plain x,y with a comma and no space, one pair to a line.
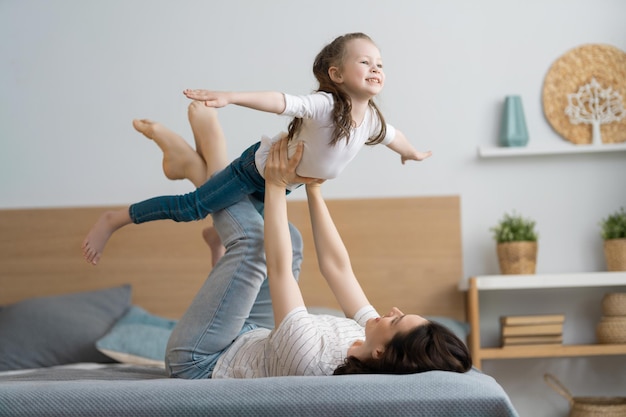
402,146
268,101
333,258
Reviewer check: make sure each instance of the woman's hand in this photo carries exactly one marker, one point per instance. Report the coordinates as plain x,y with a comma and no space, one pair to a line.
215,99
280,170
314,185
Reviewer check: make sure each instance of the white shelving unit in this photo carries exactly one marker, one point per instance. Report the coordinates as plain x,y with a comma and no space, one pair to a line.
562,149
538,281
520,282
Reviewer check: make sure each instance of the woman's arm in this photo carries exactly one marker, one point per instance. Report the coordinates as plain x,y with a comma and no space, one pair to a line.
279,172
332,255
401,145
268,101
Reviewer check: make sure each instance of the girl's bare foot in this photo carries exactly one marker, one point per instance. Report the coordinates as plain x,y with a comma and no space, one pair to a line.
208,136
180,161
101,231
215,244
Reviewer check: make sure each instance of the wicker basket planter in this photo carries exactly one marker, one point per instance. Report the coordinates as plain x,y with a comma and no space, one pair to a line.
517,257
615,254
589,406
614,304
611,330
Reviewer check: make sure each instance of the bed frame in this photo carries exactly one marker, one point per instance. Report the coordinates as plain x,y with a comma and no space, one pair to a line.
405,251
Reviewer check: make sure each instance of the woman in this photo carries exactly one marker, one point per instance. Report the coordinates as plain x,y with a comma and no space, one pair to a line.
225,332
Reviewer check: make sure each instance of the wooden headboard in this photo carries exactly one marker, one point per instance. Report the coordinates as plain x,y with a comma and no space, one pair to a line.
405,251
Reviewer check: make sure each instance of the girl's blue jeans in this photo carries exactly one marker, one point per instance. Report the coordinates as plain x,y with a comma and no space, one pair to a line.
235,297
226,187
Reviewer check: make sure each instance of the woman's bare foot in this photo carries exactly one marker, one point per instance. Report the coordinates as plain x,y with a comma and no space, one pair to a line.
101,231
180,161
215,244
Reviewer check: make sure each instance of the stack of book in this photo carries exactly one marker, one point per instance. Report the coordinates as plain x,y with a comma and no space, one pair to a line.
532,330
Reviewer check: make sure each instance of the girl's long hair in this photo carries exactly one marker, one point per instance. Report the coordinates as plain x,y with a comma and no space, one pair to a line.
332,55
428,347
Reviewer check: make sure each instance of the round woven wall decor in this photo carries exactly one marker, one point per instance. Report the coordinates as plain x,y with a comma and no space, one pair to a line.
605,63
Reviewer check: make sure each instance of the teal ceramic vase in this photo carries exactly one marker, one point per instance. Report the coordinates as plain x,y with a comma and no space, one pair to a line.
513,131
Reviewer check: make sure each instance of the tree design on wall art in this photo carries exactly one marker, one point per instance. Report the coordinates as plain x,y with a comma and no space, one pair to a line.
569,74
596,106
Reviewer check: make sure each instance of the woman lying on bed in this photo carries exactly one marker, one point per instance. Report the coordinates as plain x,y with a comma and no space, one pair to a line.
228,332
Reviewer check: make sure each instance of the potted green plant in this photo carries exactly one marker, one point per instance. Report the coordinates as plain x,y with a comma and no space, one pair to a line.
613,231
516,240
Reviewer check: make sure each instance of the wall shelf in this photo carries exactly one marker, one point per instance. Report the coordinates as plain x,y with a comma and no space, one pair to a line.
562,149
552,351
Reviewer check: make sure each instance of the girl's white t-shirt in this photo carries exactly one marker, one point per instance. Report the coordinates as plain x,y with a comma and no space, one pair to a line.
303,344
321,159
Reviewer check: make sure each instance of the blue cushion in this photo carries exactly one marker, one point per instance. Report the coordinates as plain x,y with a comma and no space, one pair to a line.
56,330
138,338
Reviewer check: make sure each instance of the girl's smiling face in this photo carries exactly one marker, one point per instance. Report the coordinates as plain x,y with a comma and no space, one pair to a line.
361,72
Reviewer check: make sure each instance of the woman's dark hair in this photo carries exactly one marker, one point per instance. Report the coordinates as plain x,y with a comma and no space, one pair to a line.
429,347
332,55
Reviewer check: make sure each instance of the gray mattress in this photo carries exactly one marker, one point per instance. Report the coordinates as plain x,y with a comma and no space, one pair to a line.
123,390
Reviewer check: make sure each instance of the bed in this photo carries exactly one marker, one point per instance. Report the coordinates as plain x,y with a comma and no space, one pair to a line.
77,340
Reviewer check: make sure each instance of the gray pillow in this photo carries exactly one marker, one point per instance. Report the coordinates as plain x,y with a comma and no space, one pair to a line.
57,330
459,328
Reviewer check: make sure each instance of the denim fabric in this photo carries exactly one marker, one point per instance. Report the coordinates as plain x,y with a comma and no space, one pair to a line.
234,298
228,186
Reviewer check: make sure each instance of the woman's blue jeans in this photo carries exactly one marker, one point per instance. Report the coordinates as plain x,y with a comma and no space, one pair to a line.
228,186
235,297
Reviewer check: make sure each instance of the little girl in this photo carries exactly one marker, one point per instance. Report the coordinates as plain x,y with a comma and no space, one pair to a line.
333,123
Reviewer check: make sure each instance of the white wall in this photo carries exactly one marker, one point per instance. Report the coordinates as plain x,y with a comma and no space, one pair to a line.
75,73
